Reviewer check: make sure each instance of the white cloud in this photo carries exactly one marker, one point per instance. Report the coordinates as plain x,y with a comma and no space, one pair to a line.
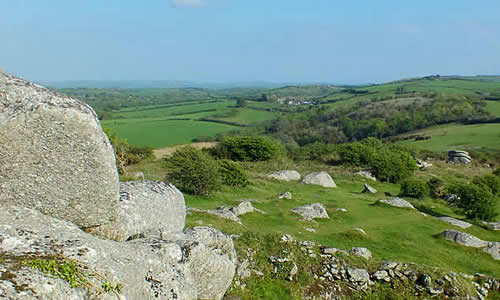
187,3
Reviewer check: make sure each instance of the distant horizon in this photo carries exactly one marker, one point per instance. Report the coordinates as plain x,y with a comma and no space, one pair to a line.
341,42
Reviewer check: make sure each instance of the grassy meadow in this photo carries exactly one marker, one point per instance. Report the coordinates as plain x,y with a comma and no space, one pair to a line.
392,233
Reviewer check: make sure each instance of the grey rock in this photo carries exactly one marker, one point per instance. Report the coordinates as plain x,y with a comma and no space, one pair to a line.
455,222
286,195
333,251
312,211
436,291
141,203
222,212
319,178
424,280
398,202
341,209
286,238
358,275
388,264
380,275
451,198
243,208
310,229
493,225
493,249
54,156
140,266
369,189
360,230
464,239
457,156
361,252
366,174
285,175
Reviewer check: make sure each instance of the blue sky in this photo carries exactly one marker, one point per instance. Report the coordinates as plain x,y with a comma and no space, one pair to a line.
242,40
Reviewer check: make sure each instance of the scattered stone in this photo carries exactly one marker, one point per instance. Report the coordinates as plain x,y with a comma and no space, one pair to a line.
457,156
436,291
422,165
54,156
285,175
319,178
493,249
387,265
451,198
243,208
358,275
381,275
366,174
312,211
140,204
293,272
341,209
493,225
333,251
369,189
424,280
286,238
286,195
361,230
230,213
398,202
361,252
464,239
310,229
455,222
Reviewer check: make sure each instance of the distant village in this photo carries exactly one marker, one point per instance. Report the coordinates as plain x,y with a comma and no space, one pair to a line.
295,101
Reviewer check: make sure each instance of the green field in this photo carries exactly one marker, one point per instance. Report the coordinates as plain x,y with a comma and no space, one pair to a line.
160,126
456,136
493,107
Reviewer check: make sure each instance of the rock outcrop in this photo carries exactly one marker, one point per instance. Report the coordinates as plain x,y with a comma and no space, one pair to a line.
466,239
366,174
54,156
458,156
285,175
312,211
398,202
140,204
455,222
369,189
233,213
319,178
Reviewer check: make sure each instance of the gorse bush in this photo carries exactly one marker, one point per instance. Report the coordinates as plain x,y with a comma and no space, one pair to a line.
436,187
387,163
232,174
248,148
414,188
476,201
489,182
193,171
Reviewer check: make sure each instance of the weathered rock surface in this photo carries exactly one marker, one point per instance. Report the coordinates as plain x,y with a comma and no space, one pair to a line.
361,252
230,213
54,156
369,189
244,208
464,239
312,211
358,275
199,263
493,225
493,249
366,174
455,222
398,202
285,175
458,156
140,205
319,178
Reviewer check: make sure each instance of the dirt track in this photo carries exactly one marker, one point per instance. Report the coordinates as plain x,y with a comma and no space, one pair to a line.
163,152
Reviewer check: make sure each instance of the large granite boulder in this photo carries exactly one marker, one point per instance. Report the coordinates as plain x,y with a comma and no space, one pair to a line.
312,211
319,178
146,209
199,263
54,156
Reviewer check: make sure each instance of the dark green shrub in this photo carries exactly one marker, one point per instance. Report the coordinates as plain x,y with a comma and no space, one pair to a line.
248,148
497,172
436,187
489,182
316,151
475,200
193,171
232,174
414,188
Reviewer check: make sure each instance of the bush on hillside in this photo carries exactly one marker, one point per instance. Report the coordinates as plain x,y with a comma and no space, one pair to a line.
232,174
248,148
436,187
392,164
193,171
476,201
497,172
414,188
489,182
